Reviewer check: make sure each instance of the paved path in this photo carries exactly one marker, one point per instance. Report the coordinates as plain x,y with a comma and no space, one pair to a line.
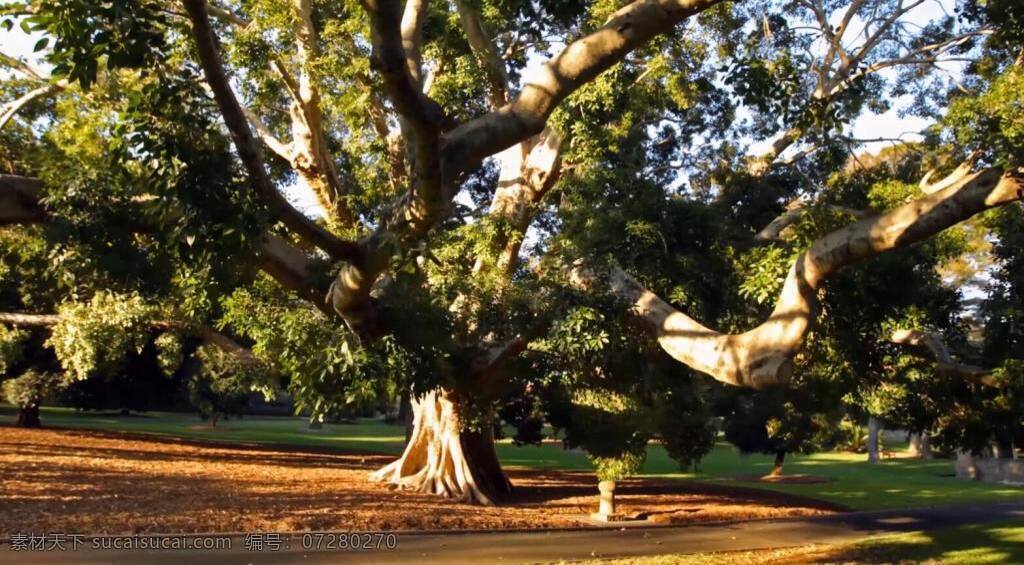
531,547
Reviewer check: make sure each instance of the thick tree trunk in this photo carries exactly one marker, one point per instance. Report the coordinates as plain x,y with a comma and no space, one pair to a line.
28,417
443,458
874,429
780,459
920,445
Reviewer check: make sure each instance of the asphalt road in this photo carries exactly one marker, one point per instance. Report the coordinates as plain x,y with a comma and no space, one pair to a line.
542,546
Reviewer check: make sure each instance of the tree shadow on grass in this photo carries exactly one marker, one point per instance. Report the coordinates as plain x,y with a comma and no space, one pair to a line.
979,543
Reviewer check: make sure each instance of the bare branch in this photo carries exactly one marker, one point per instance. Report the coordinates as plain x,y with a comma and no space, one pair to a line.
956,176
11,109
269,139
25,320
24,68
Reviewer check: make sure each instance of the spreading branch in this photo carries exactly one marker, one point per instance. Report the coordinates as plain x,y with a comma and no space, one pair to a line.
580,61
290,266
834,79
207,334
429,197
933,345
763,356
486,54
248,150
794,211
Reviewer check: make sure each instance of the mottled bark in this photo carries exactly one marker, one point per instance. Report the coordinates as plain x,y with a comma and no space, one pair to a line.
528,172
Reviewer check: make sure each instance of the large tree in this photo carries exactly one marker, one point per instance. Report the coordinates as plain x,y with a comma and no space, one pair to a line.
174,128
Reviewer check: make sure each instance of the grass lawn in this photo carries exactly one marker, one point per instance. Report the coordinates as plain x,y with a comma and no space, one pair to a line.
965,545
854,483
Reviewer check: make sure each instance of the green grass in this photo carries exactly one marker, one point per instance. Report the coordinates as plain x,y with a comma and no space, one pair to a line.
966,545
977,544
855,483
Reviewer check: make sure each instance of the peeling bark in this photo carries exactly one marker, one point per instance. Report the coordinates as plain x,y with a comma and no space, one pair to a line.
444,459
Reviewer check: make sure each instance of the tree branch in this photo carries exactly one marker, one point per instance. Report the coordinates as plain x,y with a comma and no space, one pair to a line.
245,144
8,110
289,266
937,350
794,211
207,334
267,137
412,37
763,356
485,53
580,61
390,60
523,182
430,196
